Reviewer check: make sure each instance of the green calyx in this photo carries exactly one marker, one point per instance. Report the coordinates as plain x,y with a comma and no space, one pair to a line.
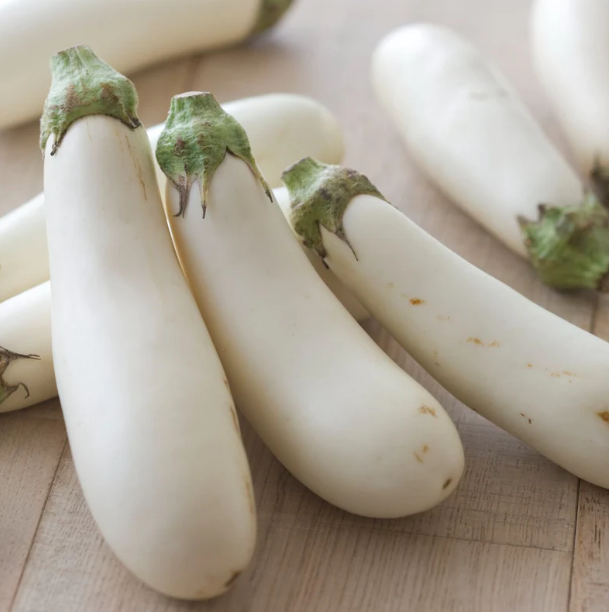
84,85
569,246
6,358
319,196
197,136
270,12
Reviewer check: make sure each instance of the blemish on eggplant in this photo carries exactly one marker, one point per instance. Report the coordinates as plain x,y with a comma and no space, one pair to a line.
232,579
494,344
138,168
522,414
447,484
604,416
417,301
475,341
529,365
418,458
428,410
425,449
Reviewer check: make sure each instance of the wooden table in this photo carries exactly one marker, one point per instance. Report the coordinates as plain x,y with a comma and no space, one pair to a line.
519,534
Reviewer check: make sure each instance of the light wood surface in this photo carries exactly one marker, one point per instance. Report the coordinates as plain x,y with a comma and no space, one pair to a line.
519,533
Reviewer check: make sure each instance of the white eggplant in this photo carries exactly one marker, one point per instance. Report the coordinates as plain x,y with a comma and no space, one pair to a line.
150,418
130,35
26,360
535,375
570,49
469,131
283,128
334,409
24,258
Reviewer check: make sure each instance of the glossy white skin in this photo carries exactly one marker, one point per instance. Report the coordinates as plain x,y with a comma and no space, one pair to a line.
127,35
283,128
24,260
348,300
523,368
335,410
570,50
150,418
469,131
25,328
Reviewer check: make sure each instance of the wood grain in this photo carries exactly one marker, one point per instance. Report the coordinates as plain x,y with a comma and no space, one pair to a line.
29,455
590,580
307,552
518,534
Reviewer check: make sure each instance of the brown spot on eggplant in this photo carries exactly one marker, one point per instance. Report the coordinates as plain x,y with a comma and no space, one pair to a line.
417,301
232,579
425,448
447,483
418,458
604,416
428,410
478,342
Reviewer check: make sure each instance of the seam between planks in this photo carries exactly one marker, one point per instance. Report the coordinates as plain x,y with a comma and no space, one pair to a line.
575,533
372,529
42,511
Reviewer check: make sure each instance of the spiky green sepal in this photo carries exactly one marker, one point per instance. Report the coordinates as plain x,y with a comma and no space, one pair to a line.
270,12
319,196
6,358
197,136
84,85
569,246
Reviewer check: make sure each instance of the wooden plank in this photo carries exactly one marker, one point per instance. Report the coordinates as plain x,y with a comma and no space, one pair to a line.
590,580
303,562
29,455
